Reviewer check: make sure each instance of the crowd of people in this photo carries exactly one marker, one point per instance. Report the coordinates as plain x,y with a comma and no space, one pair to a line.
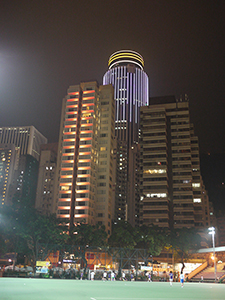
111,276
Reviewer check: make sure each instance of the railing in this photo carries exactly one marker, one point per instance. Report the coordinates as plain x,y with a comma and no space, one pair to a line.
222,278
197,270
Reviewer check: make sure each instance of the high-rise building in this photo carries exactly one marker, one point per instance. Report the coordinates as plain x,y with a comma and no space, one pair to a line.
84,189
131,91
24,182
26,138
8,159
46,179
172,192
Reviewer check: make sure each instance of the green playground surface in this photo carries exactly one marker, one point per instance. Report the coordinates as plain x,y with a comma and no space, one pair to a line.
62,289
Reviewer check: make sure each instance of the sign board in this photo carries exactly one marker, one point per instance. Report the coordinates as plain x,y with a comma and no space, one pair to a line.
43,263
146,268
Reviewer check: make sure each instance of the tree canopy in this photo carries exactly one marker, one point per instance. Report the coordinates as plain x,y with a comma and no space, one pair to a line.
22,229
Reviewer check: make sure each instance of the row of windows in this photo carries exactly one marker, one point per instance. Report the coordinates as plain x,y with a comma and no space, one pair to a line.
154,134
154,141
182,197
150,126
158,187
155,149
155,179
155,211
154,156
180,129
158,203
183,205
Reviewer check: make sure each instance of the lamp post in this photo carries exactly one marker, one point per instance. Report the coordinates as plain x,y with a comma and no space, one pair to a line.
212,232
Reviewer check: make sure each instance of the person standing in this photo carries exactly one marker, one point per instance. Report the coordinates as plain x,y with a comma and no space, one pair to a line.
113,276
182,279
92,275
104,278
149,277
123,276
171,278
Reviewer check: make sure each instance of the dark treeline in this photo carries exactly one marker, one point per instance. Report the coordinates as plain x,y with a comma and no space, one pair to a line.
22,229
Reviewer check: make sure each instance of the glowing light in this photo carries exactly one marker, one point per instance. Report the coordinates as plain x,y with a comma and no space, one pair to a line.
88,111
81,216
70,126
74,105
84,153
63,216
158,195
81,207
154,171
84,160
71,113
86,139
197,200
126,56
71,119
86,131
63,207
72,100
68,147
196,184
73,93
85,146
88,92
82,183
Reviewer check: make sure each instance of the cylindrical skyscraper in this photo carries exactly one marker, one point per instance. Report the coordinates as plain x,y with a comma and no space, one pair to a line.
131,91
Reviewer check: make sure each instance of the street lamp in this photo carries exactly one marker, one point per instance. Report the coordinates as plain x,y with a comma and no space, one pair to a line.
212,232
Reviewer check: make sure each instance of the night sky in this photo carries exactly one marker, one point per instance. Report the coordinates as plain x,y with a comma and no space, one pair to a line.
45,46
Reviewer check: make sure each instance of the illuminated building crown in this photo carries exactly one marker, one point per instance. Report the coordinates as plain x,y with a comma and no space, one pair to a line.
124,57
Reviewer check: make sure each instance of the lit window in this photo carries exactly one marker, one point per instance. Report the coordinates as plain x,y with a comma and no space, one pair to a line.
196,185
197,200
158,195
155,171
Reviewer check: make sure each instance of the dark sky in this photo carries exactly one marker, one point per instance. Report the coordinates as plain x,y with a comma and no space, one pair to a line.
45,46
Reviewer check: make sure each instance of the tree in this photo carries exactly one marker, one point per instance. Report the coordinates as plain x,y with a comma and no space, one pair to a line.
182,241
25,228
85,234
122,235
152,238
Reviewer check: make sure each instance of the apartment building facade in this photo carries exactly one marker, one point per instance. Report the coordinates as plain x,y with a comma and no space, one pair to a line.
172,192
85,154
